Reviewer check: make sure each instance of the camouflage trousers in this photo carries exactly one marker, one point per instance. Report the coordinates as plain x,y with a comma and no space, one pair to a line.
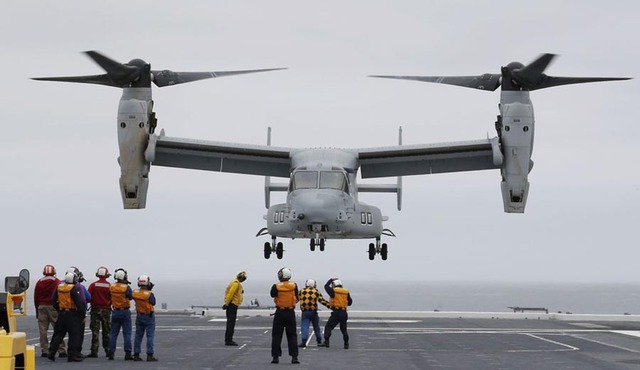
100,317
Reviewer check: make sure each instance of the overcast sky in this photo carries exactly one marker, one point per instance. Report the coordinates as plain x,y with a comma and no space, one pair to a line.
59,196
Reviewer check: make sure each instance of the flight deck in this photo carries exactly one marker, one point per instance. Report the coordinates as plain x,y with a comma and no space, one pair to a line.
385,340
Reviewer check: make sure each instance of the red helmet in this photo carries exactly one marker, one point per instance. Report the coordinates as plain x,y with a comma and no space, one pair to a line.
48,270
102,272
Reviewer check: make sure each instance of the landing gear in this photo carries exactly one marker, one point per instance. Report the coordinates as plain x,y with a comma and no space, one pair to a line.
317,241
272,247
378,249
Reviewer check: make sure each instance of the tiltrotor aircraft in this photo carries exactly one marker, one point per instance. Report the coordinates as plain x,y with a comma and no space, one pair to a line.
322,192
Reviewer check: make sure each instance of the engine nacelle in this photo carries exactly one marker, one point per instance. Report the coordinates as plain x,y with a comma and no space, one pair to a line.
516,136
133,137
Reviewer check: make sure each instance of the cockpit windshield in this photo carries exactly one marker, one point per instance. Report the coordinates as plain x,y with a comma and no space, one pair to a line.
328,180
305,180
333,180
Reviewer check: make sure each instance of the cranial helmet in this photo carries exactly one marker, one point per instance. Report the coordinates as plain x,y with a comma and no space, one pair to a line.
242,276
284,274
336,283
121,275
102,272
49,270
144,280
77,272
70,277
310,283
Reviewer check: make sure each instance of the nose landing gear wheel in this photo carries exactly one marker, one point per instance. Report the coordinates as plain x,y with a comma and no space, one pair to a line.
372,251
321,245
383,251
312,244
267,250
279,250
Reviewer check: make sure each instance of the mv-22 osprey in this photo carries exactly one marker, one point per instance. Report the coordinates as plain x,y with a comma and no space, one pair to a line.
322,192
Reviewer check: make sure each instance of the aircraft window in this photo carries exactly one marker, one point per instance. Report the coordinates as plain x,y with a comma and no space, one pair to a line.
333,180
305,180
369,218
363,218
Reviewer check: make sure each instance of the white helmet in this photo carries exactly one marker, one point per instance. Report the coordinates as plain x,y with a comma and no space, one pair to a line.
70,277
144,280
284,274
336,283
310,283
120,275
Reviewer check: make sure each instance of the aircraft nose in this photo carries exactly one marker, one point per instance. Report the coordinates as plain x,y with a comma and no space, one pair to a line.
315,207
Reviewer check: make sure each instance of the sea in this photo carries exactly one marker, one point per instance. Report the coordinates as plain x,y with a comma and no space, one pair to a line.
577,298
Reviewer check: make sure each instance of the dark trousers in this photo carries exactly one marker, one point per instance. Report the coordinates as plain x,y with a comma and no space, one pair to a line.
284,320
100,317
68,322
232,314
337,317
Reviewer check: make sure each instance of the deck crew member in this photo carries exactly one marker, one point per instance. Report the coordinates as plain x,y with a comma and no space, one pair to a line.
232,300
340,299
45,313
71,314
145,319
309,298
121,296
285,296
100,311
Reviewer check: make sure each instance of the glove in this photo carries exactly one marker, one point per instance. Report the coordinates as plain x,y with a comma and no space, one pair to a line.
224,306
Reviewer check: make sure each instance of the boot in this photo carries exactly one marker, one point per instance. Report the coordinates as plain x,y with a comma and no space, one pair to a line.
275,360
302,345
110,355
136,357
62,355
150,357
325,344
346,345
75,358
127,356
294,360
51,356
93,354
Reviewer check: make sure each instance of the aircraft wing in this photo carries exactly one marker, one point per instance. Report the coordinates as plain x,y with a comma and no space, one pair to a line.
247,159
424,159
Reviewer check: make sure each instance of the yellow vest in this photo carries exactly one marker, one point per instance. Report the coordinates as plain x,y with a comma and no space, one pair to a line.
64,297
142,296
286,295
341,298
119,299
234,293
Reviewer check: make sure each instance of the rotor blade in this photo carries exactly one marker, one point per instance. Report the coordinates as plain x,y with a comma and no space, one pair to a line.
486,81
550,81
115,69
539,65
168,78
96,79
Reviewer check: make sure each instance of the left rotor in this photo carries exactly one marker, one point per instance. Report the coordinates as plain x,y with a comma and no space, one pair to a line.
138,73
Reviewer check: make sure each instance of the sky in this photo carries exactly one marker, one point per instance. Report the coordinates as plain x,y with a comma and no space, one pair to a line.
59,196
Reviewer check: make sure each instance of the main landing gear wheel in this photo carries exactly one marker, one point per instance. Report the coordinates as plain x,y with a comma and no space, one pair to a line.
312,244
378,249
279,250
267,250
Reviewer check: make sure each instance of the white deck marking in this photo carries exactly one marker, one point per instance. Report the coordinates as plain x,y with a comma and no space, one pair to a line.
633,333
606,344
